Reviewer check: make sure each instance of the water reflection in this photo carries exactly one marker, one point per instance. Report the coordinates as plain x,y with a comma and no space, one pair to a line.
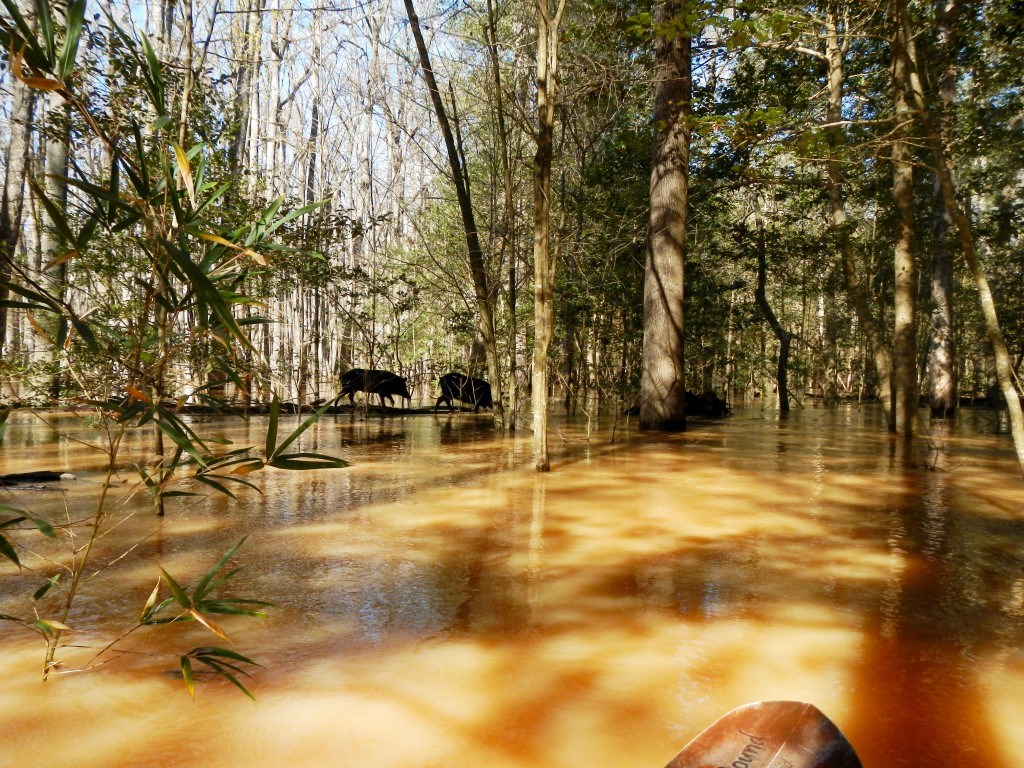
441,604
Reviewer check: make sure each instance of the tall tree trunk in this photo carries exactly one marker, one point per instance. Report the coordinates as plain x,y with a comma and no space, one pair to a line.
506,226
785,337
481,287
942,389
944,173
905,286
835,52
12,195
662,382
543,263
244,79
56,164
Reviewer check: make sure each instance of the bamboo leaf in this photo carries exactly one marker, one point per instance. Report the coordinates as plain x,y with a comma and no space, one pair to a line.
203,588
85,332
50,582
147,609
224,653
24,40
186,673
220,670
304,426
185,169
72,35
213,482
7,550
154,77
306,461
49,627
38,328
46,30
293,215
208,623
179,594
44,527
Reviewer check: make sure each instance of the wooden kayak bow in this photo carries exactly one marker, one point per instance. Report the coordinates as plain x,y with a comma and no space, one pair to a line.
769,734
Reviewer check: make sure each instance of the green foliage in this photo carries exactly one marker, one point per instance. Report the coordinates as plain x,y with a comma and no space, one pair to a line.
154,225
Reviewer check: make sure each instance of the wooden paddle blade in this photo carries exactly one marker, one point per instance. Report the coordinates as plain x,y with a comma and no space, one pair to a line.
769,734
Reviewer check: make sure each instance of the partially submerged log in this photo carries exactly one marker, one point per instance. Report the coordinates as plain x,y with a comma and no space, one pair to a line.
21,478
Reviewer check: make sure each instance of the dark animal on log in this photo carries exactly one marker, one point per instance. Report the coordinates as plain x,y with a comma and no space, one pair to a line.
456,386
384,384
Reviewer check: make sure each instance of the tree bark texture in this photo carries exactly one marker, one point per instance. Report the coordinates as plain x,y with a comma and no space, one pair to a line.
942,385
12,196
662,383
905,271
543,264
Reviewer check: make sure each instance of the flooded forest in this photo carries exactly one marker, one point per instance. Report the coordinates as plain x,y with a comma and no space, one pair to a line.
511,384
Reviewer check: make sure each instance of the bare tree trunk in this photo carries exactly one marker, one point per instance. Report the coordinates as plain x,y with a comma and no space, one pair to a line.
543,263
785,337
50,244
662,383
942,386
905,288
12,196
507,224
481,287
244,79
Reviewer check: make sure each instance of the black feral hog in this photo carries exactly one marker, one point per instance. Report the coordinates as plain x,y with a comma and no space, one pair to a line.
456,386
382,383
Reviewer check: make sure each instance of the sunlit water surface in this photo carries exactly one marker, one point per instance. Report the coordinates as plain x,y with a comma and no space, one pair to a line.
441,604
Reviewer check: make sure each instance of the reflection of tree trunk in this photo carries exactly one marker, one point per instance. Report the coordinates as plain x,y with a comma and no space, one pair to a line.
917,696
905,279
662,382
784,336
484,300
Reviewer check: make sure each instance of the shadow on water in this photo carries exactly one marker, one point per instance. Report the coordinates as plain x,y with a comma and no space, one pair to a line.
439,603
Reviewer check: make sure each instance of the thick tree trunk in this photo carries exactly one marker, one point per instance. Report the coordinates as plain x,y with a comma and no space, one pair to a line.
481,287
905,278
12,195
662,383
56,164
942,396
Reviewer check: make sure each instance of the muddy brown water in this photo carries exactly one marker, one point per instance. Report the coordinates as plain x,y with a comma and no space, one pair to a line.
440,604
